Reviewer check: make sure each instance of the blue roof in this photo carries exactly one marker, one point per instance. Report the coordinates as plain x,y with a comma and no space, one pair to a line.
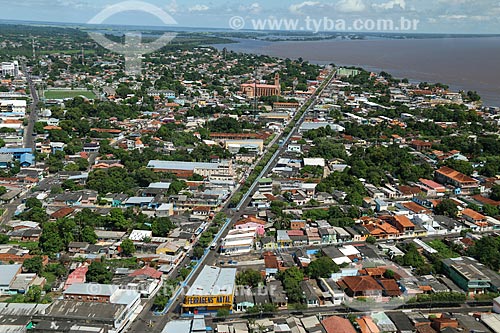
27,158
15,150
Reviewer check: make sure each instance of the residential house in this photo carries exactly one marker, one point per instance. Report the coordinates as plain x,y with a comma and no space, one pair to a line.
337,324
360,286
310,297
252,222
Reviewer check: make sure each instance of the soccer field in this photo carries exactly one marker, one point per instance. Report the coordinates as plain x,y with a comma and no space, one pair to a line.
62,94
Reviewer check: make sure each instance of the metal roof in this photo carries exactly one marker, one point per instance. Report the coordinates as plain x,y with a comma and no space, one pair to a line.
214,281
93,289
8,273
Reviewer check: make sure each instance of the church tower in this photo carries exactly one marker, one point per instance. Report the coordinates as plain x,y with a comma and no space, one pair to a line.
277,80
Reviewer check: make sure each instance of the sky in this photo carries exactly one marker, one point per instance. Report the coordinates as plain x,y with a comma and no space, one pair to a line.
435,16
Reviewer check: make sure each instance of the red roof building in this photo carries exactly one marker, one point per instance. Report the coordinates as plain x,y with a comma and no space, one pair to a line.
364,286
77,276
147,271
337,324
448,176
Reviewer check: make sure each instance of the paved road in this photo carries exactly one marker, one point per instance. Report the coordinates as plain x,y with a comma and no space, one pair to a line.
29,139
341,311
158,322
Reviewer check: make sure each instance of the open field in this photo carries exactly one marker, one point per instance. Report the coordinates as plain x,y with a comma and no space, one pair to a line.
62,94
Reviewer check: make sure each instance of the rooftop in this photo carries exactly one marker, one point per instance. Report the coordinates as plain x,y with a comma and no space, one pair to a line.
214,281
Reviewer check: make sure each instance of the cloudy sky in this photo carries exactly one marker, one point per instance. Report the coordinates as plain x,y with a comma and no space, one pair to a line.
449,16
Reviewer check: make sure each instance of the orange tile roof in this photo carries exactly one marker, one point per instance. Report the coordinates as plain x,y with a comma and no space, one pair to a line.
486,201
361,283
455,175
63,212
251,219
337,324
415,207
404,221
51,128
390,286
473,214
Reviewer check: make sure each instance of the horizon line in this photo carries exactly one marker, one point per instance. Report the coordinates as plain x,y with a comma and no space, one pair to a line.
227,29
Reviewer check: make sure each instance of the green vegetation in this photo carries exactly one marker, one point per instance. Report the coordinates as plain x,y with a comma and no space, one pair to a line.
447,207
127,247
66,94
291,279
33,265
412,258
487,251
249,277
441,297
99,273
444,251
264,308
322,267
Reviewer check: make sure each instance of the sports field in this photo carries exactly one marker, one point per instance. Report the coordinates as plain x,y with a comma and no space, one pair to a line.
63,94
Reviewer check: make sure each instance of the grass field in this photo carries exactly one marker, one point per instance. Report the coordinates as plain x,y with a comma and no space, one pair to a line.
62,94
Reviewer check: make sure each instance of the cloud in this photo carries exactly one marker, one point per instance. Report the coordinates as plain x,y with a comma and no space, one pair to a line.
350,6
391,5
453,17
298,7
172,7
199,8
254,8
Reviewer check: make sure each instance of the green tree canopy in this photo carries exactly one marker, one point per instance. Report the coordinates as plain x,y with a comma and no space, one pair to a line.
322,267
99,273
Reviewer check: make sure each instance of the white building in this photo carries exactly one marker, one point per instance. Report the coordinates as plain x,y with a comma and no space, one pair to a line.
9,68
12,108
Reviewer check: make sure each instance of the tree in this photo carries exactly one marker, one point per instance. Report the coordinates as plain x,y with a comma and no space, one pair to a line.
371,240
33,265
33,202
128,247
291,279
176,187
322,267
221,313
34,295
487,251
490,210
198,252
4,239
161,227
250,278
495,193
411,258
447,207
50,241
461,166
99,273
89,235
389,274
160,301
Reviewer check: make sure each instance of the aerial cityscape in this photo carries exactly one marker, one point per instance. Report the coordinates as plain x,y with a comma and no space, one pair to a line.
261,176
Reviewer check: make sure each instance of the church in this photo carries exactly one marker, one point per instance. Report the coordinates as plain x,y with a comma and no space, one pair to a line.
252,90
